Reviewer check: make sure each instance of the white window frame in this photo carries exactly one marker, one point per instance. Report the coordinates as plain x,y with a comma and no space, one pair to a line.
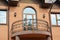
3,17
56,16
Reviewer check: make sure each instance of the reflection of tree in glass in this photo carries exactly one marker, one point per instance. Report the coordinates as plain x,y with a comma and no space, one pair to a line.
29,23
24,22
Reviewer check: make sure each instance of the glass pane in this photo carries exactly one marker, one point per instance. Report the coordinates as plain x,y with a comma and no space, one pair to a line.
3,17
29,22
53,19
23,16
58,18
34,16
29,17
24,20
34,22
29,11
58,22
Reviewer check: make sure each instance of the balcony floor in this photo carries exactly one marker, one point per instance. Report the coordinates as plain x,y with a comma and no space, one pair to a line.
32,32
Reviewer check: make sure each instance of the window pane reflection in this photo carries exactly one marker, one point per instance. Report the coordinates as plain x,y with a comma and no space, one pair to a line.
58,22
53,19
58,19
3,17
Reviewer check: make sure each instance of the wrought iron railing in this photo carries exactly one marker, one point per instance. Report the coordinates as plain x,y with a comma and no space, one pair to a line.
30,24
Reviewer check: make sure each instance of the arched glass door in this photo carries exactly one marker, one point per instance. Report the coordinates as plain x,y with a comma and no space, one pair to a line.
29,17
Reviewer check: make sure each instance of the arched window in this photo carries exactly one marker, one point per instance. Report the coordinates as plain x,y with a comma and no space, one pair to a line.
29,12
29,15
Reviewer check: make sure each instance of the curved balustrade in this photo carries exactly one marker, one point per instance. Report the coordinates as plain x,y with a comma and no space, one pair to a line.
32,25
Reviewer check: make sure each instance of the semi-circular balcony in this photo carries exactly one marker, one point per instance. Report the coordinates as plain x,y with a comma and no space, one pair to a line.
37,27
